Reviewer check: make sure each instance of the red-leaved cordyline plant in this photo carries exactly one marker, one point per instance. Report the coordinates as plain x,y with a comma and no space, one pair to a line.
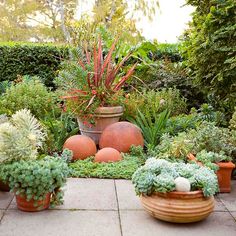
101,88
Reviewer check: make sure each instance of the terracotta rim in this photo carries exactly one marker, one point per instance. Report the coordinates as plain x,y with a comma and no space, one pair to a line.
228,164
186,195
115,111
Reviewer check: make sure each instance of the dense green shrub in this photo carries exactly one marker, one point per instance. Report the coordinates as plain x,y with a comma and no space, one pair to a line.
21,59
148,101
211,53
30,94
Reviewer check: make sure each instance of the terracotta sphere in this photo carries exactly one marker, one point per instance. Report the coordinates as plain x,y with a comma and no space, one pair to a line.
121,136
107,155
82,146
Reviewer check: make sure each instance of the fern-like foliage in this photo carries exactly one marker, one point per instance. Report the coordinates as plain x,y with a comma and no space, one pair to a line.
20,137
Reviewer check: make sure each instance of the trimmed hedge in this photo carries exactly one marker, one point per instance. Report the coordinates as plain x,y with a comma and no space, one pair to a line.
43,60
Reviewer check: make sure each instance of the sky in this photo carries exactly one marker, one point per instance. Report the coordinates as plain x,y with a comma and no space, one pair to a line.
168,24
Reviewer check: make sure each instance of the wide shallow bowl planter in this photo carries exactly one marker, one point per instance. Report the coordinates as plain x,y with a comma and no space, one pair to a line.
104,116
30,206
4,187
224,176
178,207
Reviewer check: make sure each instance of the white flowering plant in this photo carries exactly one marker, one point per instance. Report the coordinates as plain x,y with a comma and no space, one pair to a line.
159,175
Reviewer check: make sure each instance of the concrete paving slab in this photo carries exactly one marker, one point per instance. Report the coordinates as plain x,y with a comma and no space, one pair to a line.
219,206
126,195
60,223
233,213
229,199
1,214
5,199
139,223
92,194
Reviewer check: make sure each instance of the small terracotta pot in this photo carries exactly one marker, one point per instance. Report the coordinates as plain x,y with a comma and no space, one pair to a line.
104,116
224,176
28,206
4,187
178,207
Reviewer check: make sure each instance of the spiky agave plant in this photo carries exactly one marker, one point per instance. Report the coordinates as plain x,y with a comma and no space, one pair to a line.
20,137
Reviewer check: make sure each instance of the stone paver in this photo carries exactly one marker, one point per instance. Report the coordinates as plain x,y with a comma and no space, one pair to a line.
139,223
5,199
60,223
92,194
229,199
233,213
91,209
219,206
126,195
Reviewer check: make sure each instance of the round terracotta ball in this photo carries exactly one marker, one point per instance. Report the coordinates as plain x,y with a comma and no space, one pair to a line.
107,155
82,146
121,136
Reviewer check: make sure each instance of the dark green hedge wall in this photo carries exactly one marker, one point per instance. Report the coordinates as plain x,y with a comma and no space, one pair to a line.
42,60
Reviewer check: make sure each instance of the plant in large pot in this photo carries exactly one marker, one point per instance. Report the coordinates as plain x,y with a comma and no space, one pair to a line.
36,183
93,83
176,192
21,136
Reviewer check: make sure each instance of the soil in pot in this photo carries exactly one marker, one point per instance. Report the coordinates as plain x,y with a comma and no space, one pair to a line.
104,116
178,207
30,206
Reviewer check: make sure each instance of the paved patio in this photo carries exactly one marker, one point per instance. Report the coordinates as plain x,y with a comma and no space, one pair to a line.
96,207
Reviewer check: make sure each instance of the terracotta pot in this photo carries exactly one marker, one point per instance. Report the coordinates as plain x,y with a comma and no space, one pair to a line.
4,187
29,206
104,116
191,157
224,176
121,136
178,207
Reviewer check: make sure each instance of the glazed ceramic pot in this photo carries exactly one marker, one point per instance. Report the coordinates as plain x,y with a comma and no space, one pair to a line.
224,176
29,206
104,116
178,207
121,136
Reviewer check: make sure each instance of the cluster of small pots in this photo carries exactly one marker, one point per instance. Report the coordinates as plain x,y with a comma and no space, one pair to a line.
117,138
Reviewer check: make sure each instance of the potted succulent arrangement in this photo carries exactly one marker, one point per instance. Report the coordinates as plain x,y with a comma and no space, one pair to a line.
34,181
176,192
212,144
93,85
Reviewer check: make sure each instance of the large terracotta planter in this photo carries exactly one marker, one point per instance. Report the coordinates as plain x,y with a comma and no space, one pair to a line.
4,187
30,206
178,207
224,176
104,116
